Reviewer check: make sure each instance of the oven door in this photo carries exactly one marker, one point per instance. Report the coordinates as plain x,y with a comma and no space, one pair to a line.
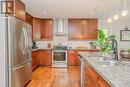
60,56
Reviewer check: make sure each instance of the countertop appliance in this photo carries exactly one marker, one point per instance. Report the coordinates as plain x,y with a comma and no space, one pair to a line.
59,56
19,52
82,71
34,45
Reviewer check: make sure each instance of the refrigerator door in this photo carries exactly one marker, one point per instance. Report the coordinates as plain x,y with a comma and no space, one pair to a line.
28,37
20,75
17,42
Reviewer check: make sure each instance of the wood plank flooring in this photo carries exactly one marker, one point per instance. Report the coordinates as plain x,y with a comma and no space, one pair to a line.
55,77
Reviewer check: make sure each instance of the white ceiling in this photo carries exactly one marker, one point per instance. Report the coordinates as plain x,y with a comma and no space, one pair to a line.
74,8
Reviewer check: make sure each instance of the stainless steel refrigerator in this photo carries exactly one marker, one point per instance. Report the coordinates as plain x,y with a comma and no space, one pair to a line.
19,52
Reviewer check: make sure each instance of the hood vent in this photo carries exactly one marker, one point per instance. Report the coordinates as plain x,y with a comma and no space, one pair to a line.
60,31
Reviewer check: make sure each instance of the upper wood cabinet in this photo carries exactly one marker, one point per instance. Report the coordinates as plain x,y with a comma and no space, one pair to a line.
29,18
46,29
20,10
36,29
82,29
42,29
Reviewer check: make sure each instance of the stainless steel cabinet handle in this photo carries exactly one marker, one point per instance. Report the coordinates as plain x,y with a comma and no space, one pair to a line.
18,67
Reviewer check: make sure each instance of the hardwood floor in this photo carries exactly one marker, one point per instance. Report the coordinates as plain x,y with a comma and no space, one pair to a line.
55,77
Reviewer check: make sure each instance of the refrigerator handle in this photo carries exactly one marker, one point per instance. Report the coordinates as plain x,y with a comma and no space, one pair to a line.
26,38
23,41
18,67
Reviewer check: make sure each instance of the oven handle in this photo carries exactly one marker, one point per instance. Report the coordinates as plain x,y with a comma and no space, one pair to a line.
59,50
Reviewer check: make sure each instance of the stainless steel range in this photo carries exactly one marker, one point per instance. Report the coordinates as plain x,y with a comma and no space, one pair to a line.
59,56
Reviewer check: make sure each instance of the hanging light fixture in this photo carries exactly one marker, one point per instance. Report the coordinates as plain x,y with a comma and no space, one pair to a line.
124,12
109,20
116,17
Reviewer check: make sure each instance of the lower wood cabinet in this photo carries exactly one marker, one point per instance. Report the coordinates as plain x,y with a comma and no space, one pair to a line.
45,57
73,58
93,79
34,60
41,58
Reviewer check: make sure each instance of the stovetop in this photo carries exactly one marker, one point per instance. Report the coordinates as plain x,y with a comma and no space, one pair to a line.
59,47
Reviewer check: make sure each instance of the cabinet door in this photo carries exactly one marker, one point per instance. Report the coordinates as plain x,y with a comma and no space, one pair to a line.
46,29
73,58
29,18
93,29
82,29
75,29
20,10
86,29
48,58
34,60
36,29
41,58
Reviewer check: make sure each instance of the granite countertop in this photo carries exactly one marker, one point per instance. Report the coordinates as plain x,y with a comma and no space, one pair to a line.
83,49
116,73
41,49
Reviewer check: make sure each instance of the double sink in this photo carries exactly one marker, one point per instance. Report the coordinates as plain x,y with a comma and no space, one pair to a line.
109,61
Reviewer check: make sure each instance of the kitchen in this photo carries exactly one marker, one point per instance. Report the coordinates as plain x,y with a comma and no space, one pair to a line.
65,43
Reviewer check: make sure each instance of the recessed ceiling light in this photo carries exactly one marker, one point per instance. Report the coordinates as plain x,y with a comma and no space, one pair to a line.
109,20
44,12
92,12
116,17
124,13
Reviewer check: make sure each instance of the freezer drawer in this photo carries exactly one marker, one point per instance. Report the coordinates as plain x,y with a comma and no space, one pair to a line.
21,75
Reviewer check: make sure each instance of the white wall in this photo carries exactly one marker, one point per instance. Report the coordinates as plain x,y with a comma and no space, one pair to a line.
120,25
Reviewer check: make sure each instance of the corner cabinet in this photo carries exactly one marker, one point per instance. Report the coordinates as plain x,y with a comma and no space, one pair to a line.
82,29
41,58
42,29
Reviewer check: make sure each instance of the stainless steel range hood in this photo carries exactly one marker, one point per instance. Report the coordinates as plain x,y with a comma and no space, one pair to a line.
60,30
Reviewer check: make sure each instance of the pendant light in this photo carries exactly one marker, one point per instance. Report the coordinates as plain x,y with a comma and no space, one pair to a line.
116,16
109,20
124,12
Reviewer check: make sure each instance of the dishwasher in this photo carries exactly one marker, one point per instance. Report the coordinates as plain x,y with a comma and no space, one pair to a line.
82,70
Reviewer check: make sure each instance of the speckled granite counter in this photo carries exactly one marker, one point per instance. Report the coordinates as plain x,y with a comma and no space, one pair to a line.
41,49
116,73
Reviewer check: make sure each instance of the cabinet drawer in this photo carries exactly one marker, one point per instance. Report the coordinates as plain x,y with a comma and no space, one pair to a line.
71,52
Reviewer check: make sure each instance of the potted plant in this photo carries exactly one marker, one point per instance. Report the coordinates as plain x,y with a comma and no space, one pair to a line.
104,43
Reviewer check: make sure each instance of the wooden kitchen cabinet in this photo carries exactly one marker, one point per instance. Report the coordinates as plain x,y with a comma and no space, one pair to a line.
34,60
20,10
36,29
93,79
29,19
73,58
82,29
42,29
48,58
44,58
46,29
